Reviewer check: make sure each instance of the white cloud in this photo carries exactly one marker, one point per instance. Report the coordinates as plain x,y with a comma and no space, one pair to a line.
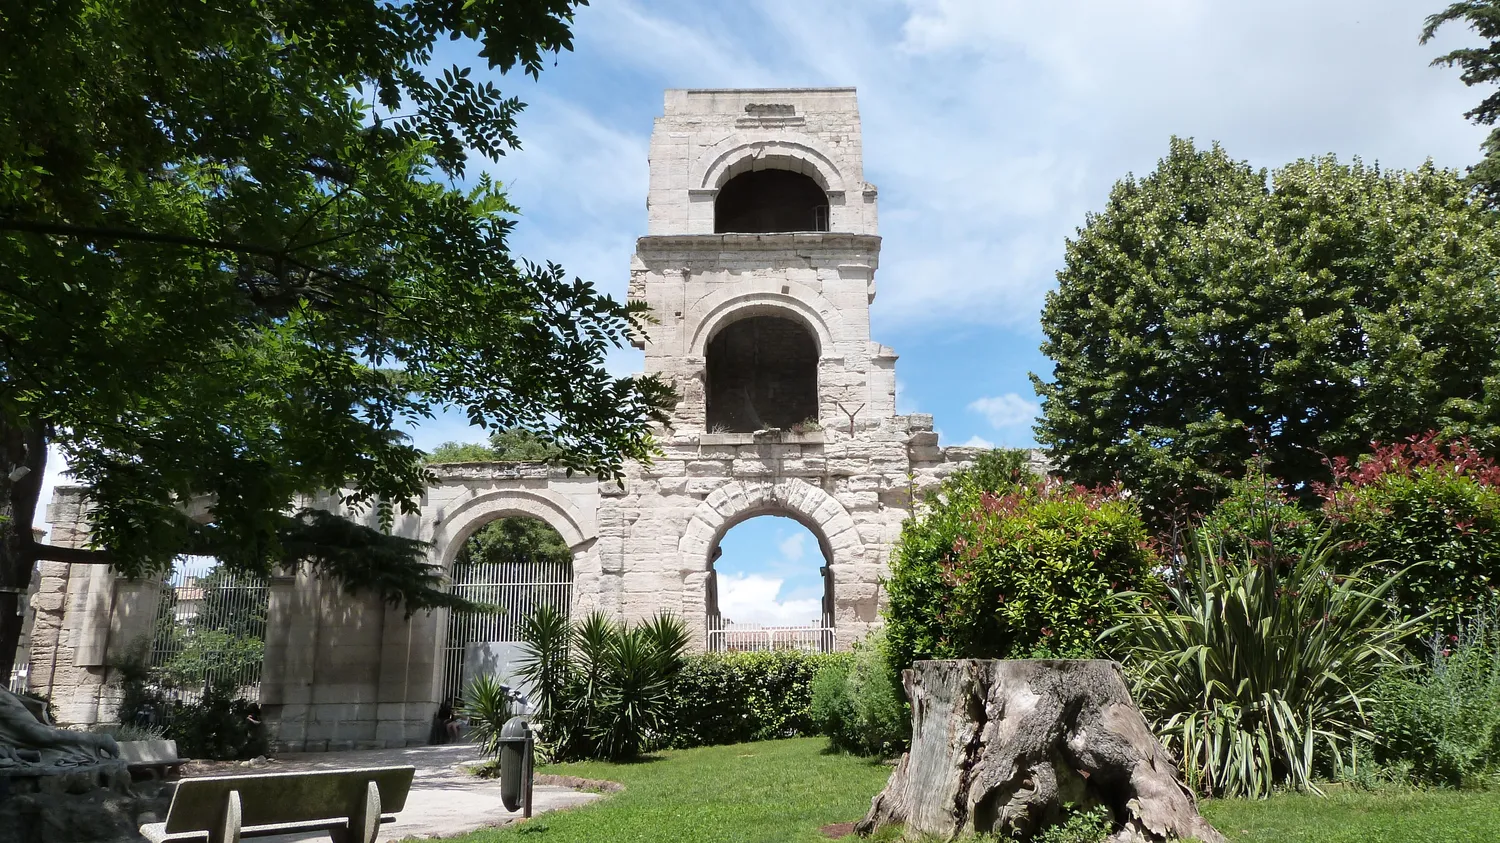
1008,410
753,599
977,441
993,126
793,547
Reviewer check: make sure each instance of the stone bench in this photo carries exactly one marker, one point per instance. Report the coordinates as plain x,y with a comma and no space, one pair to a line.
349,805
156,758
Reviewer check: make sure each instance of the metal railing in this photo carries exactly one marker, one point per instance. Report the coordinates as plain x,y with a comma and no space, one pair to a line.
19,675
518,589
210,626
729,637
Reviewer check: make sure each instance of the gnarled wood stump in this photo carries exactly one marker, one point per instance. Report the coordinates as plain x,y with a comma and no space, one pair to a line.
1002,746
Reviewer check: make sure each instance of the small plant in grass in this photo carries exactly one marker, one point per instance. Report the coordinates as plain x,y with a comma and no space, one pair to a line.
1439,722
1080,825
1258,670
601,688
857,704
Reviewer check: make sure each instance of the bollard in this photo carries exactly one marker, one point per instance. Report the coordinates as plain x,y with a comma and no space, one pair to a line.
515,764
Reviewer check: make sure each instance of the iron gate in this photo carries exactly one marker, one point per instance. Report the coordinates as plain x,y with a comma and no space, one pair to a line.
210,626
518,589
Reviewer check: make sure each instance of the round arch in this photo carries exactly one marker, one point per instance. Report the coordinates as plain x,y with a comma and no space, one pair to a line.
456,527
772,154
738,500
800,302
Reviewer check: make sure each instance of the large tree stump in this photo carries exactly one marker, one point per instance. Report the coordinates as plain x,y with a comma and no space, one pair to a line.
1003,746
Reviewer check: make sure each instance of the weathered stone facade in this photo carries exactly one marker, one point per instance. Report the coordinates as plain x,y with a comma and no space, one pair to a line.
344,671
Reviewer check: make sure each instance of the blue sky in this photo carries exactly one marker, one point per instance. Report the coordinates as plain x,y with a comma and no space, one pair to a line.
991,127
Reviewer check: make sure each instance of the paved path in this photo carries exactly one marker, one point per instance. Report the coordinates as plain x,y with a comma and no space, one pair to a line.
444,801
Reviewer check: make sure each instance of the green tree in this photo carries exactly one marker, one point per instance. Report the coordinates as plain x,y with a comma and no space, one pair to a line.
1480,66
512,444
240,253
1212,312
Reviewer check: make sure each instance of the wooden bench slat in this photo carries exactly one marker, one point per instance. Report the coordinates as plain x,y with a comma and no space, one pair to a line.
268,799
156,832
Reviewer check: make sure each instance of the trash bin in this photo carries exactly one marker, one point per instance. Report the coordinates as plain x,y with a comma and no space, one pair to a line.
515,763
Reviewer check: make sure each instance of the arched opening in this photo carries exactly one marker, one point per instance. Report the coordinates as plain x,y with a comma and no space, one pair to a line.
770,587
519,564
765,201
762,372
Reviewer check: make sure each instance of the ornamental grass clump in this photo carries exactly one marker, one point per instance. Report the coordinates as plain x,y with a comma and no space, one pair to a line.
1258,669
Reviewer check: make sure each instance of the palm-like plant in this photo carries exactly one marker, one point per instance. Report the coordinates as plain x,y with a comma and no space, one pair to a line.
601,688
486,705
1258,669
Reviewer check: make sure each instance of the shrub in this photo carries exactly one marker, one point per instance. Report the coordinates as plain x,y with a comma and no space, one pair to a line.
858,705
602,689
1257,514
1440,721
1258,674
1422,501
129,731
723,698
220,726
999,564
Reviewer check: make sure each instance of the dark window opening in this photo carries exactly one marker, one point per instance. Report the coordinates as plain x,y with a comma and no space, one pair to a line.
764,201
762,373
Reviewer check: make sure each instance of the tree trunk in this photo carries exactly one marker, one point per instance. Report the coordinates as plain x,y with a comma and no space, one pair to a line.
23,461
1002,746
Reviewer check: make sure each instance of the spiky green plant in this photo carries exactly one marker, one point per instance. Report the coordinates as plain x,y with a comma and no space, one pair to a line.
487,706
1258,668
543,665
601,688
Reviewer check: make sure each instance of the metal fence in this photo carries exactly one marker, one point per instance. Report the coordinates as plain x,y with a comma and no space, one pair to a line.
517,589
729,637
210,627
19,674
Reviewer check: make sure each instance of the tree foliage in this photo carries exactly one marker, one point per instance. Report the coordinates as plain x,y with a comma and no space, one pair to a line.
242,252
1479,66
1212,312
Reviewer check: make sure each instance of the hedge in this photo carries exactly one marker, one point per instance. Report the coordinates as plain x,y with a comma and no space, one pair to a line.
724,698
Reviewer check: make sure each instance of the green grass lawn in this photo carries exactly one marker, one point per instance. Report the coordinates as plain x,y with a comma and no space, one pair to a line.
1360,817
787,790
766,792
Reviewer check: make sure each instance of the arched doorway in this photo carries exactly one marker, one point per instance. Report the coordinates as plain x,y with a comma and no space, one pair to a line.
518,563
761,372
772,200
770,587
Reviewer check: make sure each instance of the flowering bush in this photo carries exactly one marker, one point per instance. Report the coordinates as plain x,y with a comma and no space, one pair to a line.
1424,503
1002,564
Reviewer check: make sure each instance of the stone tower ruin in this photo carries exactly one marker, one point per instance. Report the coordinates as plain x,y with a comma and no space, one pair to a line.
759,264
